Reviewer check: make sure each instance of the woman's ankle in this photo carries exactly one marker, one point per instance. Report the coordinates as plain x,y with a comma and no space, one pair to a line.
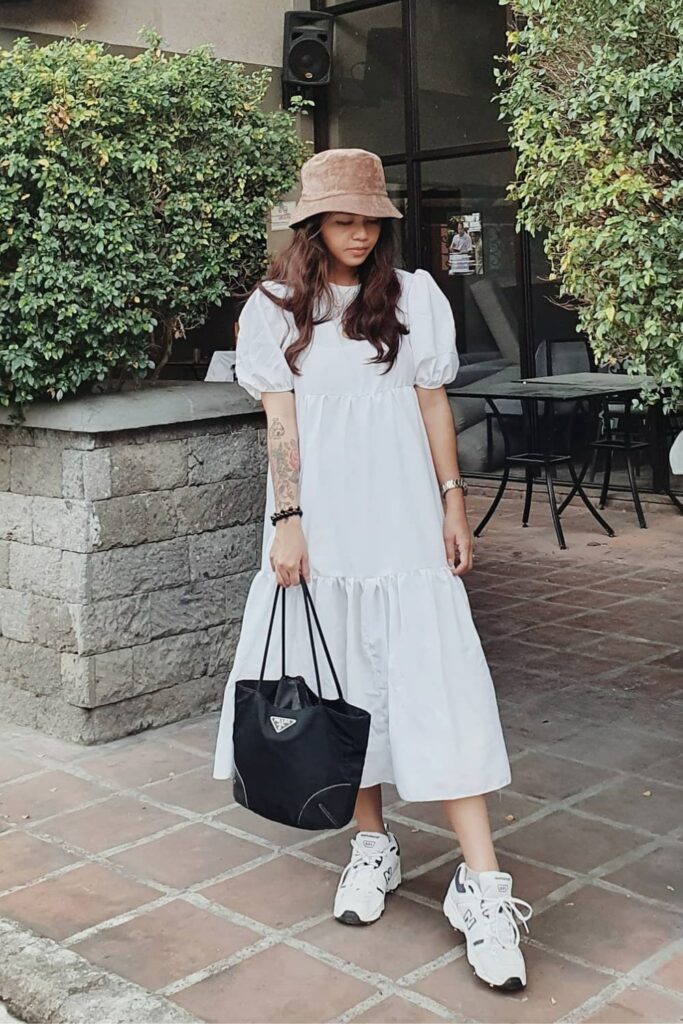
478,865
371,826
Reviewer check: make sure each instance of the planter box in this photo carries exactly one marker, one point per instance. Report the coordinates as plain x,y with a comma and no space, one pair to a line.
130,530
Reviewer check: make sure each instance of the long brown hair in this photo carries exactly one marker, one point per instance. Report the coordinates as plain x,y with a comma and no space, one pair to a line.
305,267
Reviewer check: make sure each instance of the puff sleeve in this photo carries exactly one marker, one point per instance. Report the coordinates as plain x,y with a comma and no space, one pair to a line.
260,363
432,333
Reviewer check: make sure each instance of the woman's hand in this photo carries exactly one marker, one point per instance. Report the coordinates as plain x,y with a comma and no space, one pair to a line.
458,538
438,420
289,552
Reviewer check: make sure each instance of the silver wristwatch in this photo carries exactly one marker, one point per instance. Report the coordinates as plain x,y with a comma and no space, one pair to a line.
448,485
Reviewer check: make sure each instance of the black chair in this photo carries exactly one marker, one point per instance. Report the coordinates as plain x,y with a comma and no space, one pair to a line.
629,431
619,433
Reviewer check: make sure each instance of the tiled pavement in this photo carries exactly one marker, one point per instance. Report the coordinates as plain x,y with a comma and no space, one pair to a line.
131,856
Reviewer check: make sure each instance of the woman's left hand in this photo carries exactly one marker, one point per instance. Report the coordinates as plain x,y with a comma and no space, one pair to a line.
458,539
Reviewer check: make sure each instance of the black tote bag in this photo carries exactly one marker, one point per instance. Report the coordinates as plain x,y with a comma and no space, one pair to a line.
298,756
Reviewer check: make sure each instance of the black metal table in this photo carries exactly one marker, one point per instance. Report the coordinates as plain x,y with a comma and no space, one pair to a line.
570,387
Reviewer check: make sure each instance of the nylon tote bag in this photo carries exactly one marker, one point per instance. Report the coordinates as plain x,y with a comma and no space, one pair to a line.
298,756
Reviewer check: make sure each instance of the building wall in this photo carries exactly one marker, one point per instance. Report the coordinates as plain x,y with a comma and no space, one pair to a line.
242,30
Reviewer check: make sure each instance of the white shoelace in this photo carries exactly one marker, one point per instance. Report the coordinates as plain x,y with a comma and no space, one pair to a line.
506,911
362,862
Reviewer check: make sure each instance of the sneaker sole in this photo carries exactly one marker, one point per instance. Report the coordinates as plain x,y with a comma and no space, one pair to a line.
450,909
350,917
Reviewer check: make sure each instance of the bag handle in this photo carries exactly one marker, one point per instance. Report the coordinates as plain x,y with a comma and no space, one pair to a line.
270,630
308,601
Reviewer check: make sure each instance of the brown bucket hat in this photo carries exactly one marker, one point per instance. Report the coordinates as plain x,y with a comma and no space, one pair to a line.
343,181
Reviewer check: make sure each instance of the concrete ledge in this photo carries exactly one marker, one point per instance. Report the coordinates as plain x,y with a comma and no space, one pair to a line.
42,981
148,407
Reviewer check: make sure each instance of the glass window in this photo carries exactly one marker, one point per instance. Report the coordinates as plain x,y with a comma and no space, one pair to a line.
395,176
366,93
552,321
330,5
470,247
456,44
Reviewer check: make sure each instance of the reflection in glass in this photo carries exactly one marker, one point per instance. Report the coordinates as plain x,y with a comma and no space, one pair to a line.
464,245
366,94
469,246
395,176
457,41
551,319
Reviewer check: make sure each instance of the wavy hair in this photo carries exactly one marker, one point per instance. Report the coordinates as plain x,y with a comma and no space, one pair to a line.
305,265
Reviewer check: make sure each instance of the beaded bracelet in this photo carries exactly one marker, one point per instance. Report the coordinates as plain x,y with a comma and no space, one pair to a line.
293,510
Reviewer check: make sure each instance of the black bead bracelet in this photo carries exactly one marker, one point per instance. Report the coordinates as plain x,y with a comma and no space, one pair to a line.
293,510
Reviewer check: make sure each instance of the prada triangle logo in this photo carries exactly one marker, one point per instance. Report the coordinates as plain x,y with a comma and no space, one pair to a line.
280,724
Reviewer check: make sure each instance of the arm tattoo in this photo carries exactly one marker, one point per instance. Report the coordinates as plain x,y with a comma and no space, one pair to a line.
284,461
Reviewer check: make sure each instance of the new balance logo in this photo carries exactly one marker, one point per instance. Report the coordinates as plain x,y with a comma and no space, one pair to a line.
280,724
469,918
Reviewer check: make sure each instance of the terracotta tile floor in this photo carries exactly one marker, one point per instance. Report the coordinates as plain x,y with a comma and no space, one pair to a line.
133,857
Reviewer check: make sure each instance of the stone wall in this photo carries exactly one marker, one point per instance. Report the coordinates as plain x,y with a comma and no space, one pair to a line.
125,560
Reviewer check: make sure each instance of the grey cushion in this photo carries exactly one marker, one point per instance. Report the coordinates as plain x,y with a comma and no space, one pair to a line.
498,315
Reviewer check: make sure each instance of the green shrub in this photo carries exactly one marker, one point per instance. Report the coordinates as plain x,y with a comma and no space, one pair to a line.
133,196
593,90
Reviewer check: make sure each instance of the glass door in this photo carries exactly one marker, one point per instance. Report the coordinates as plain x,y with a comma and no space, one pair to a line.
366,98
469,245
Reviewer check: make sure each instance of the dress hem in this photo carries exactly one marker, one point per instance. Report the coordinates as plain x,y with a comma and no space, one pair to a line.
427,569
420,798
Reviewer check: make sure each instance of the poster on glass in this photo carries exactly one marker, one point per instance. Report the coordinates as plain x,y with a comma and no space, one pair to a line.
462,238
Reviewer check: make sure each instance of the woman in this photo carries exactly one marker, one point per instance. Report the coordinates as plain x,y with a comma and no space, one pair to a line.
349,357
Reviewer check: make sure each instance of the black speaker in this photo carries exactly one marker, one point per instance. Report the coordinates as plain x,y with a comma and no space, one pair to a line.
307,53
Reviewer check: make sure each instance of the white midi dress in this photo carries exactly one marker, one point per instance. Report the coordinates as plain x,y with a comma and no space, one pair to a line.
396,620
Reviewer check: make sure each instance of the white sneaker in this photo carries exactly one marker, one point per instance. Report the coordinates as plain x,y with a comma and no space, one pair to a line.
487,914
373,871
